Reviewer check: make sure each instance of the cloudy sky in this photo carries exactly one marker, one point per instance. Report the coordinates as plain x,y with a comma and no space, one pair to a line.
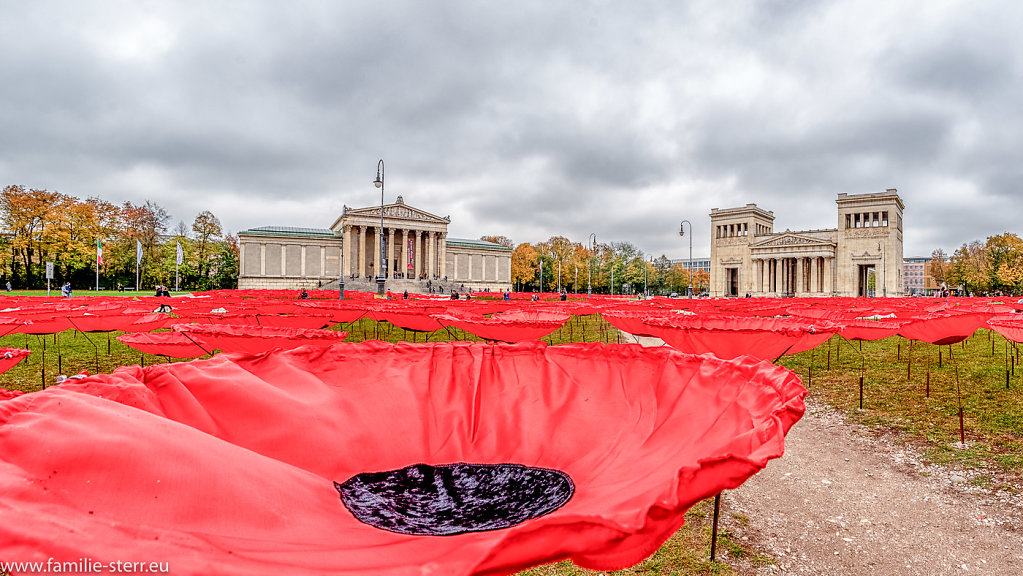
525,119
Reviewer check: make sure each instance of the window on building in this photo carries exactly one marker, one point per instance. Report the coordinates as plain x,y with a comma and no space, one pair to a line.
884,218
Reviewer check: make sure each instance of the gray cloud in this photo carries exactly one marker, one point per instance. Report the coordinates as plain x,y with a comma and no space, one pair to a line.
524,119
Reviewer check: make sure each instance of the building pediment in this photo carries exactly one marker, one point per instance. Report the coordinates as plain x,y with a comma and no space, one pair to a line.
396,212
790,240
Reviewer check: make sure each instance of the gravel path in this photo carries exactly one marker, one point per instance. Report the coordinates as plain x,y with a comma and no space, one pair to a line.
845,500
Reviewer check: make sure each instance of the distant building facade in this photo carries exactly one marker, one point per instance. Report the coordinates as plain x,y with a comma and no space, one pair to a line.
416,251
697,264
917,278
861,257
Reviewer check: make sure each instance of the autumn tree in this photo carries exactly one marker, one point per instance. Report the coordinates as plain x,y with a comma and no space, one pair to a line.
207,229
939,266
26,216
524,264
1005,252
970,267
502,240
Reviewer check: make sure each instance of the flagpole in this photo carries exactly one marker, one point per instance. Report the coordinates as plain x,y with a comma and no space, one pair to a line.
98,248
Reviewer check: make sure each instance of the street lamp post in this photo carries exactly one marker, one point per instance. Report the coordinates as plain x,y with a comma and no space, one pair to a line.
540,290
682,232
379,183
612,276
646,293
589,267
555,255
884,270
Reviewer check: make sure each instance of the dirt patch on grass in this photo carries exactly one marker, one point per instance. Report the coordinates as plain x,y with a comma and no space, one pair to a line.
846,500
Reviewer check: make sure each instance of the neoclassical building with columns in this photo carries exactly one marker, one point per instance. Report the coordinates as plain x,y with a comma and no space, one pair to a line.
416,247
861,257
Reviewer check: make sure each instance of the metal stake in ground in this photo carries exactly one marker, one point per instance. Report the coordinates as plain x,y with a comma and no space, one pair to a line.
714,527
959,396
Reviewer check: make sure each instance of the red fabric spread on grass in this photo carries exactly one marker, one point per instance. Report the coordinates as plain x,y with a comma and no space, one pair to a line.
730,337
227,465
498,329
869,329
1011,327
942,329
256,339
418,319
9,357
303,319
169,344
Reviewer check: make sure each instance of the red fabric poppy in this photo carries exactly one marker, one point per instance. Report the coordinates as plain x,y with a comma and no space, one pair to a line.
256,339
241,464
498,329
869,329
730,337
306,319
942,329
9,357
1011,327
169,344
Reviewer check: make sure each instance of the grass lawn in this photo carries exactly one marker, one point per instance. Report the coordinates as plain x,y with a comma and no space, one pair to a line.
922,407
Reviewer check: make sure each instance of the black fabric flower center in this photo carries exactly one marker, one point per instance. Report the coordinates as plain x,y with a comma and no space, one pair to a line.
449,499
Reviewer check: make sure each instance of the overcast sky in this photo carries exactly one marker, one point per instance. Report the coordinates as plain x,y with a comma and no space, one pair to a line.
525,119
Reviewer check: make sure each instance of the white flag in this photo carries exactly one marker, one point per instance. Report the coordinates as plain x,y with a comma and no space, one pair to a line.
138,252
181,256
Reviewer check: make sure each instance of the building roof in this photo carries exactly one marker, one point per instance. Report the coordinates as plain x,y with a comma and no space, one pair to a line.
290,231
469,243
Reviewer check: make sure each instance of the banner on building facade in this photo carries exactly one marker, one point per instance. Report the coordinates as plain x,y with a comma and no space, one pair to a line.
411,253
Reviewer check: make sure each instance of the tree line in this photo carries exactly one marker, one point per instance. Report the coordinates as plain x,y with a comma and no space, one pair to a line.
42,226
613,267
993,266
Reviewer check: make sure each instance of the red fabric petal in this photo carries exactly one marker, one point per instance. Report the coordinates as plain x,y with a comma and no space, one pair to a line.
9,357
169,344
256,339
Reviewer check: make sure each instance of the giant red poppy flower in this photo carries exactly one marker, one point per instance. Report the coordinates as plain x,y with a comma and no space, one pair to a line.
1009,326
942,329
256,339
731,336
170,344
373,458
499,329
11,356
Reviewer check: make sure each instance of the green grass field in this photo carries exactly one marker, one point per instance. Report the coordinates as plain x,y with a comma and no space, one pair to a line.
921,406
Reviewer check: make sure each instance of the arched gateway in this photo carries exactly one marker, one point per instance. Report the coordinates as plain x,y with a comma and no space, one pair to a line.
417,251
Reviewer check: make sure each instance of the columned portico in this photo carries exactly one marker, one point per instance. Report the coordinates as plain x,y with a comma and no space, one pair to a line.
408,244
791,265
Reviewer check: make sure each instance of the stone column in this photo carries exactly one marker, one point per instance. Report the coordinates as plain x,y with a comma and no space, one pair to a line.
814,274
392,266
800,288
430,253
828,277
403,264
419,253
346,256
442,247
361,272
378,237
